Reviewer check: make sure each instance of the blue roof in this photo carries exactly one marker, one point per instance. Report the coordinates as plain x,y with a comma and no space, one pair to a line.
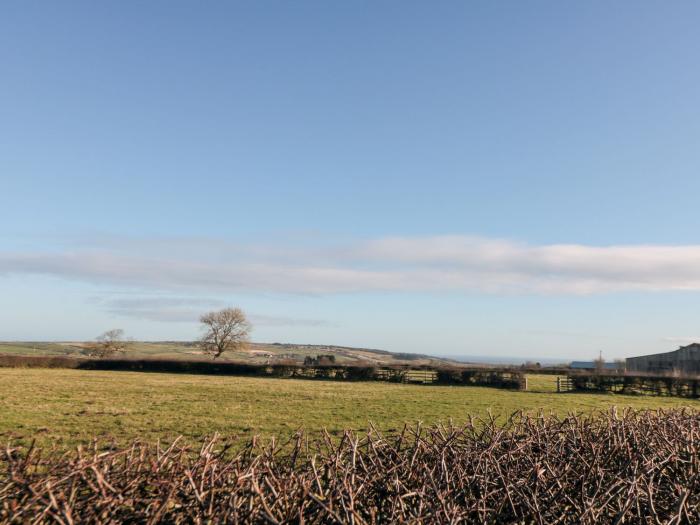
591,364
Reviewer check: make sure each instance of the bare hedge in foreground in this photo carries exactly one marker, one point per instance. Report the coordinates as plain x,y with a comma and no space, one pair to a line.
634,467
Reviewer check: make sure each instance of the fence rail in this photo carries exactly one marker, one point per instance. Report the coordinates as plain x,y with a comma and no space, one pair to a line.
564,384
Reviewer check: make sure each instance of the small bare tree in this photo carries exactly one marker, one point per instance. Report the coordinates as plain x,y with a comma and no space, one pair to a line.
225,330
599,365
109,343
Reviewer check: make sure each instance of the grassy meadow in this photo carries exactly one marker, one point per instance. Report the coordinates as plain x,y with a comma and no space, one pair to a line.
66,407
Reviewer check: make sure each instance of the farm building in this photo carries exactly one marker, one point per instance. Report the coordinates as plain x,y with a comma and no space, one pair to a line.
685,360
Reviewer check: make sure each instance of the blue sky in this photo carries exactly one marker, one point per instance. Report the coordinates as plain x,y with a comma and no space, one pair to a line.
457,178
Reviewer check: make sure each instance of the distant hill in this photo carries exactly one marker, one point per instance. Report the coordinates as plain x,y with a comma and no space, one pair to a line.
255,353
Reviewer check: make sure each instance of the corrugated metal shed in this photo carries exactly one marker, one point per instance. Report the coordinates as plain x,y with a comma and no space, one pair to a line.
685,360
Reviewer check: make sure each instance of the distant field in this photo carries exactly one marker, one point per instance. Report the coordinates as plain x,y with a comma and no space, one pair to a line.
67,407
255,353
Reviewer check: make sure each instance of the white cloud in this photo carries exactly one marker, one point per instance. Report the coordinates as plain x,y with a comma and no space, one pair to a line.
157,308
400,264
184,310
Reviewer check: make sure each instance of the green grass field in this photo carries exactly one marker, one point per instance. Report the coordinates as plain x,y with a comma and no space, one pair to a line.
67,407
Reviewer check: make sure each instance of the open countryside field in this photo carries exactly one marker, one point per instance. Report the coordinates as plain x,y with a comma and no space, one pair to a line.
68,407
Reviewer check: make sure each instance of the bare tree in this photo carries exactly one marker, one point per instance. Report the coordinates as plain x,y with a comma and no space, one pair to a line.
599,364
109,343
225,330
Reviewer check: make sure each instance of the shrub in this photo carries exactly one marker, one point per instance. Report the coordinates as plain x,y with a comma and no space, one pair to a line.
449,376
360,373
604,468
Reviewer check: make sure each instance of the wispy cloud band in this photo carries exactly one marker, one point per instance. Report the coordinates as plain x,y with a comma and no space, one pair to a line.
400,264
179,309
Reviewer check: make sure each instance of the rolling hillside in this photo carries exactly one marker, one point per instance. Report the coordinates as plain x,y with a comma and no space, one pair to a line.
255,353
